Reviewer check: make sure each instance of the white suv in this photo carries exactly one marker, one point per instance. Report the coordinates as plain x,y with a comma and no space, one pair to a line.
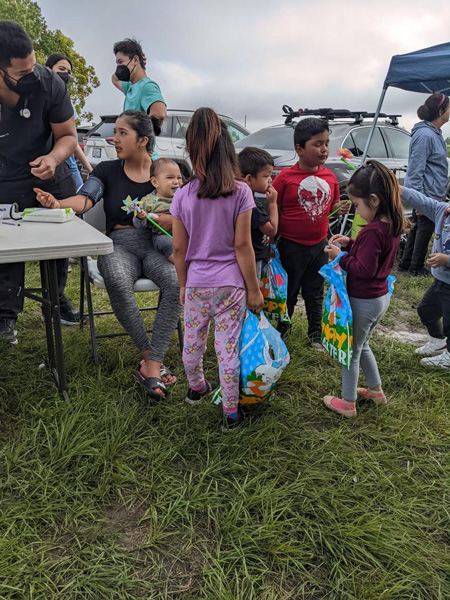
99,146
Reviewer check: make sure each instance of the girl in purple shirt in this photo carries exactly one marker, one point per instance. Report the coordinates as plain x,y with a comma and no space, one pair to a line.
368,260
214,259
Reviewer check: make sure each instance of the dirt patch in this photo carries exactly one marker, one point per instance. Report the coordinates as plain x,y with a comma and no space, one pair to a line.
410,336
127,524
402,330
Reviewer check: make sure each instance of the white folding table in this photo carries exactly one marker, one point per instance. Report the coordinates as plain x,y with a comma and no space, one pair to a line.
46,242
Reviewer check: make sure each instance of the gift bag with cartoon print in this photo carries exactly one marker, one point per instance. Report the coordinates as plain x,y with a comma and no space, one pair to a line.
337,319
273,284
263,356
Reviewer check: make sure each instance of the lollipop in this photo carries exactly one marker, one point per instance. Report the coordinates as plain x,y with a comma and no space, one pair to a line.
131,206
345,156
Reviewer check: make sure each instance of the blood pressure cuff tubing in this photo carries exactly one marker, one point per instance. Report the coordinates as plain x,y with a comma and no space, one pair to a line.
93,187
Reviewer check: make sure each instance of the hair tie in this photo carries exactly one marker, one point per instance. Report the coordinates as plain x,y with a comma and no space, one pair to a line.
442,100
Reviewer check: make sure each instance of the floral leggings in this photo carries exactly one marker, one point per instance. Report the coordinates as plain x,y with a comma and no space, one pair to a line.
227,306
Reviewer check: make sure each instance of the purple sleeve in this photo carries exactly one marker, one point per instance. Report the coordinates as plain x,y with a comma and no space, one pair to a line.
247,201
364,262
175,206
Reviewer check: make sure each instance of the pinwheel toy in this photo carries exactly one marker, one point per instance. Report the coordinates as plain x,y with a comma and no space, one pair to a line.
345,155
131,206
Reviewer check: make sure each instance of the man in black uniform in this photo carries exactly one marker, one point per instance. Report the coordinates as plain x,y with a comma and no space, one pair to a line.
37,134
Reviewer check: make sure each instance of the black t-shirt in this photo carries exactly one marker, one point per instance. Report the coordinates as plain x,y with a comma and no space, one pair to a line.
260,241
23,140
117,186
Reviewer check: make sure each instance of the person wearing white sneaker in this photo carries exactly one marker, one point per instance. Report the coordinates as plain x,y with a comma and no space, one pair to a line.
434,308
433,347
441,361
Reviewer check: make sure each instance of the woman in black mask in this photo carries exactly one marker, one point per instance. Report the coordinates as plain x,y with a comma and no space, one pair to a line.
62,66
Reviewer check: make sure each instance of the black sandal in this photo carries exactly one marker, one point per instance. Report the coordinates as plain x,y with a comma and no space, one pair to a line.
165,372
150,384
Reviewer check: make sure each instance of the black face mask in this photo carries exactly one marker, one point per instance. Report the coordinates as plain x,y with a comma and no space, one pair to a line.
24,86
123,73
64,76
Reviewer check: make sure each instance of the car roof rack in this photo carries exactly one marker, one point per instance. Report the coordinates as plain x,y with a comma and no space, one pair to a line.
334,113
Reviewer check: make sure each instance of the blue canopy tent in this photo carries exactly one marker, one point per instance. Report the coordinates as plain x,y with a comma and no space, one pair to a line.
426,71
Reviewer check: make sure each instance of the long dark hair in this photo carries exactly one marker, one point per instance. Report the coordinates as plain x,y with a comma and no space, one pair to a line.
143,125
212,154
374,178
434,106
53,59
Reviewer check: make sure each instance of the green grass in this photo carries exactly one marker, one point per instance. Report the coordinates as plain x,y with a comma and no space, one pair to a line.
120,499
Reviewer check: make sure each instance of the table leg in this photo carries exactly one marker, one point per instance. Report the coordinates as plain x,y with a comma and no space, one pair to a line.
59,372
47,312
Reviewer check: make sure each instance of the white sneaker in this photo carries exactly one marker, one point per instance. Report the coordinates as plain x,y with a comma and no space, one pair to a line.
433,347
442,361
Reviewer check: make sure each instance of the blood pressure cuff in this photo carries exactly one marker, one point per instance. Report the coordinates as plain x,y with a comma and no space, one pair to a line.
93,188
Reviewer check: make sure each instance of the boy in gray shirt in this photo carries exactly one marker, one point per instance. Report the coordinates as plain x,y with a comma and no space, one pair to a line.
434,308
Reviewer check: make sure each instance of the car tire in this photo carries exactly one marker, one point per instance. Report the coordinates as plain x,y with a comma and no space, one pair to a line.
337,221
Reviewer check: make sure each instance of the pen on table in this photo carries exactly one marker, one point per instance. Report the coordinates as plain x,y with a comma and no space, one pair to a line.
14,224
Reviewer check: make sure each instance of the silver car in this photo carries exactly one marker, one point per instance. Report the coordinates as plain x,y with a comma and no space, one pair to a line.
99,145
389,145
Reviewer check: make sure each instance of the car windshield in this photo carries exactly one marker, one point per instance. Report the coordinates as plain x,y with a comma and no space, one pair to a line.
275,138
104,130
272,137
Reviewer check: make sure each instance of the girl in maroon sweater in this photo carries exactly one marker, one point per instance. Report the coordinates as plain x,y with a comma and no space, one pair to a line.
375,194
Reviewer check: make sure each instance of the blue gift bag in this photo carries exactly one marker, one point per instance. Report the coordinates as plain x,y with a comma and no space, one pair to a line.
263,357
337,319
273,284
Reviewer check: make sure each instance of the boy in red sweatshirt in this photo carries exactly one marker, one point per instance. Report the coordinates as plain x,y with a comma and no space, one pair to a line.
307,194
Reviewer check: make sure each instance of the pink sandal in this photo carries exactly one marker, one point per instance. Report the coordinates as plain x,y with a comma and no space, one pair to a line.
377,397
340,406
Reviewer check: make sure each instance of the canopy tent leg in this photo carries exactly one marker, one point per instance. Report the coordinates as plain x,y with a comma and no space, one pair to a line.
374,124
366,149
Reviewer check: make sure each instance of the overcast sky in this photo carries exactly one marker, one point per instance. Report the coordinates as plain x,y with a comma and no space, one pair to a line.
247,58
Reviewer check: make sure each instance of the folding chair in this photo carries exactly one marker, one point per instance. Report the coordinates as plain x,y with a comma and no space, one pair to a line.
91,275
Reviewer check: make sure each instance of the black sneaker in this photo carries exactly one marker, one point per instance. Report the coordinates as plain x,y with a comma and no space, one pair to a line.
193,397
8,332
69,316
283,329
422,272
401,269
232,425
316,344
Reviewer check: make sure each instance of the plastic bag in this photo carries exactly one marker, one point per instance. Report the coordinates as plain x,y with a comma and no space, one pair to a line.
391,279
337,320
263,357
273,284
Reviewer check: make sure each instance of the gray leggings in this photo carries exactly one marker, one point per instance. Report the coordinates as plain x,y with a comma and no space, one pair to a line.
134,257
366,316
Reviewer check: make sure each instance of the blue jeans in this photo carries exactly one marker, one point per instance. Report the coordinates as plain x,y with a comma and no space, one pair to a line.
367,313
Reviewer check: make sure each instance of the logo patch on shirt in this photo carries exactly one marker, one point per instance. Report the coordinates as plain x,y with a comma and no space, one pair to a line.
446,239
314,195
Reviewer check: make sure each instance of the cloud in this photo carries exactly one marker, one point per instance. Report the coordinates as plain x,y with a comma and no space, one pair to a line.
246,59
